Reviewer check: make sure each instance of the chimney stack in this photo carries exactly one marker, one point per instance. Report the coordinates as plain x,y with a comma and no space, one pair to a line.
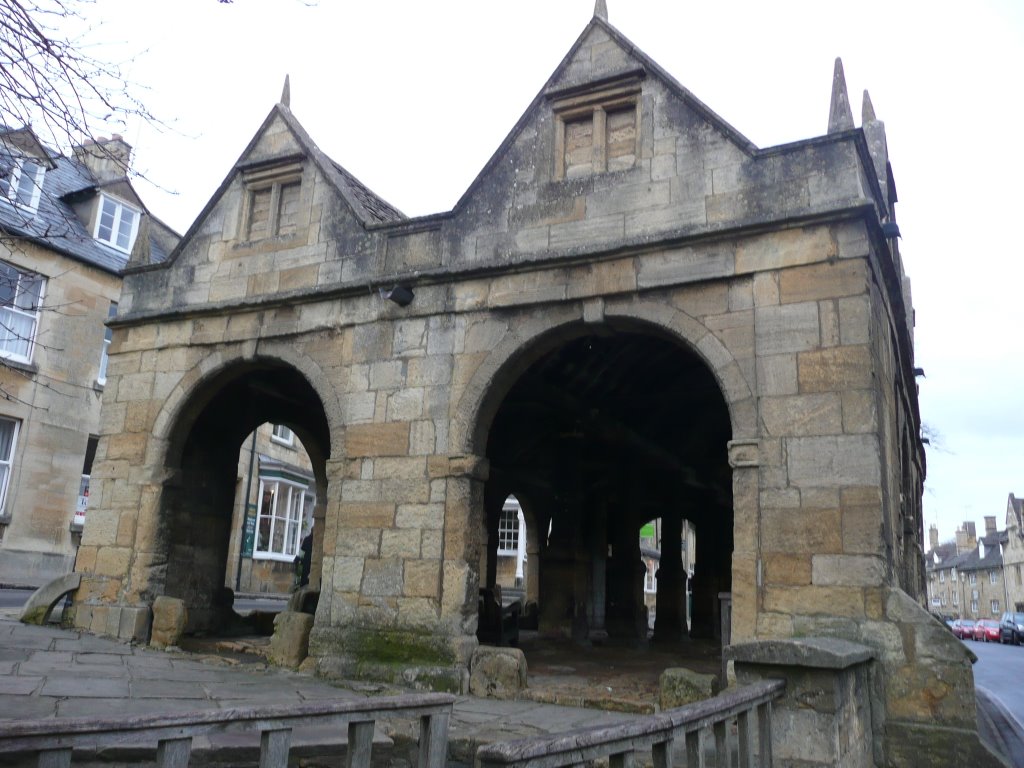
108,159
990,524
933,538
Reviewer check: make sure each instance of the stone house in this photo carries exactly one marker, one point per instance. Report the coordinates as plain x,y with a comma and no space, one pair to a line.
1013,554
967,578
633,312
67,228
981,580
273,511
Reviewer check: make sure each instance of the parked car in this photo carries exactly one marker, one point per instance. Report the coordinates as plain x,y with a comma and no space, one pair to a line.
1011,628
964,629
987,630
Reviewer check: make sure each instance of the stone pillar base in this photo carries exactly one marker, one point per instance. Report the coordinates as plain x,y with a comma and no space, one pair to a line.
418,659
824,719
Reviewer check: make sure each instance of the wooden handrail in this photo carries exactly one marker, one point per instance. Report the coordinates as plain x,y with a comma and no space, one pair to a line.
655,733
54,739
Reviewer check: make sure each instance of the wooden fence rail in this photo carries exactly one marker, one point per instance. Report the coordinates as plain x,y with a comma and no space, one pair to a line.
700,726
54,739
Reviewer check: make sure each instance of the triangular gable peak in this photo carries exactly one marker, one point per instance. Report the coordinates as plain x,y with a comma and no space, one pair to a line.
285,215
613,152
282,141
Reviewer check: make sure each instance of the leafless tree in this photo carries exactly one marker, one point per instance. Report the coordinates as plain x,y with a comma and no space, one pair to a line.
48,79
51,84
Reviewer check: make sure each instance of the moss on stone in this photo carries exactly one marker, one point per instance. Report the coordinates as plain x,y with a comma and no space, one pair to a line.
398,647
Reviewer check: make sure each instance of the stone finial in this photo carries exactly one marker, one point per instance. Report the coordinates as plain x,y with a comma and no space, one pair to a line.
840,116
867,109
286,92
601,9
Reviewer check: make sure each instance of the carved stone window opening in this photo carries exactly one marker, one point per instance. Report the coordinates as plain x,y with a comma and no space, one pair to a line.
271,201
597,130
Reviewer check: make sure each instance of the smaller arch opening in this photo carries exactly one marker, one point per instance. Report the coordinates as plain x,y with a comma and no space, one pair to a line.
241,512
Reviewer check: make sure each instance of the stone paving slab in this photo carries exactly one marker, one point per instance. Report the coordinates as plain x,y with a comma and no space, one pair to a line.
53,672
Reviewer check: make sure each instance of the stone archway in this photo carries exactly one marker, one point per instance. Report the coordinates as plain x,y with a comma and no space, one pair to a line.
601,424
201,460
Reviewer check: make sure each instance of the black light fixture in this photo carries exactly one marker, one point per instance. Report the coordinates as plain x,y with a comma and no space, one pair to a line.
890,230
919,372
402,295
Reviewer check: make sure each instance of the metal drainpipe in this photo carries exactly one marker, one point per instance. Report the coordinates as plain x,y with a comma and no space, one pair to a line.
245,511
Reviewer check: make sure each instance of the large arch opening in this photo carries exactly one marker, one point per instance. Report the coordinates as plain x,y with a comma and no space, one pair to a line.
613,439
210,445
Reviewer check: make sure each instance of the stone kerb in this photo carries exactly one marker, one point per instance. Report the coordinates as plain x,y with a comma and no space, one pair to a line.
825,717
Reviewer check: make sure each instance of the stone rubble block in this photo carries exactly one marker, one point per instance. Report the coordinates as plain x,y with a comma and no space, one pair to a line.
679,686
497,673
169,619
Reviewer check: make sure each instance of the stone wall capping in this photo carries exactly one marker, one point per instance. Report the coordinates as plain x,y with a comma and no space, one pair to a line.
815,652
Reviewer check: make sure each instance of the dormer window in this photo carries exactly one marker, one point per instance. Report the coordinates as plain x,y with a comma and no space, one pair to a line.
21,182
117,224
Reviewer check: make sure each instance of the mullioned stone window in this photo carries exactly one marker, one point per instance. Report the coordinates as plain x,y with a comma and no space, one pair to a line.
271,201
597,128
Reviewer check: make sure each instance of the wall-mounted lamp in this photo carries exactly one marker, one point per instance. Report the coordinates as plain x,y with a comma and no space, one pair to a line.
919,372
402,295
890,230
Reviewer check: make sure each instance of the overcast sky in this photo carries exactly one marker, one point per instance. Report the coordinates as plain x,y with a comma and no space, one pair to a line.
413,97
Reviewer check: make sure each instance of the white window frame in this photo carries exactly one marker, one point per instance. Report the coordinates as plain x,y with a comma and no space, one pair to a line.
119,208
974,577
993,577
14,193
6,327
108,335
279,433
994,605
7,463
956,597
942,577
291,515
508,530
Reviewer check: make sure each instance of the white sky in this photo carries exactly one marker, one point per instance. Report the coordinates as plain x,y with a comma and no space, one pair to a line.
413,97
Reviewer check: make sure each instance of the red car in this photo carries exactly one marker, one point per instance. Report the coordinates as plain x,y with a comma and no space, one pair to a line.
964,629
987,630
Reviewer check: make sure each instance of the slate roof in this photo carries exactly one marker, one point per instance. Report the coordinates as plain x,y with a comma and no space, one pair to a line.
375,207
972,561
1017,506
54,222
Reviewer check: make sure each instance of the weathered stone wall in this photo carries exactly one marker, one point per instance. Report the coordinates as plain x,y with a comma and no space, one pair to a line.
56,400
768,265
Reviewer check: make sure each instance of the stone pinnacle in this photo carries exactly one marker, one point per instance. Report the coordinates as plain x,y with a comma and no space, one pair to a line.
601,10
286,93
867,109
840,116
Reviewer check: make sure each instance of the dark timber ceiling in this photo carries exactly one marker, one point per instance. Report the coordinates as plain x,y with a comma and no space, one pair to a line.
624,409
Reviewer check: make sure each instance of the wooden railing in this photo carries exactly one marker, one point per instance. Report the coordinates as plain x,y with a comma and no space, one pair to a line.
54,739
720,727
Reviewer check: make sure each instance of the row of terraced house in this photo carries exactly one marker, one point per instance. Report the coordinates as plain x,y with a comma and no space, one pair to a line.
978,577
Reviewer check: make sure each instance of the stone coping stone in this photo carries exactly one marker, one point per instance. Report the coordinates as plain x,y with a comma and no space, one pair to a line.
816,652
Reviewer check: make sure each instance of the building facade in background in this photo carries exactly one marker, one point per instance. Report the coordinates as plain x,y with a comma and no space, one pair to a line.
275,477
68,226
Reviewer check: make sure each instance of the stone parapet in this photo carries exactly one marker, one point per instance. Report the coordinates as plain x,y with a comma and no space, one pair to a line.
824,719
